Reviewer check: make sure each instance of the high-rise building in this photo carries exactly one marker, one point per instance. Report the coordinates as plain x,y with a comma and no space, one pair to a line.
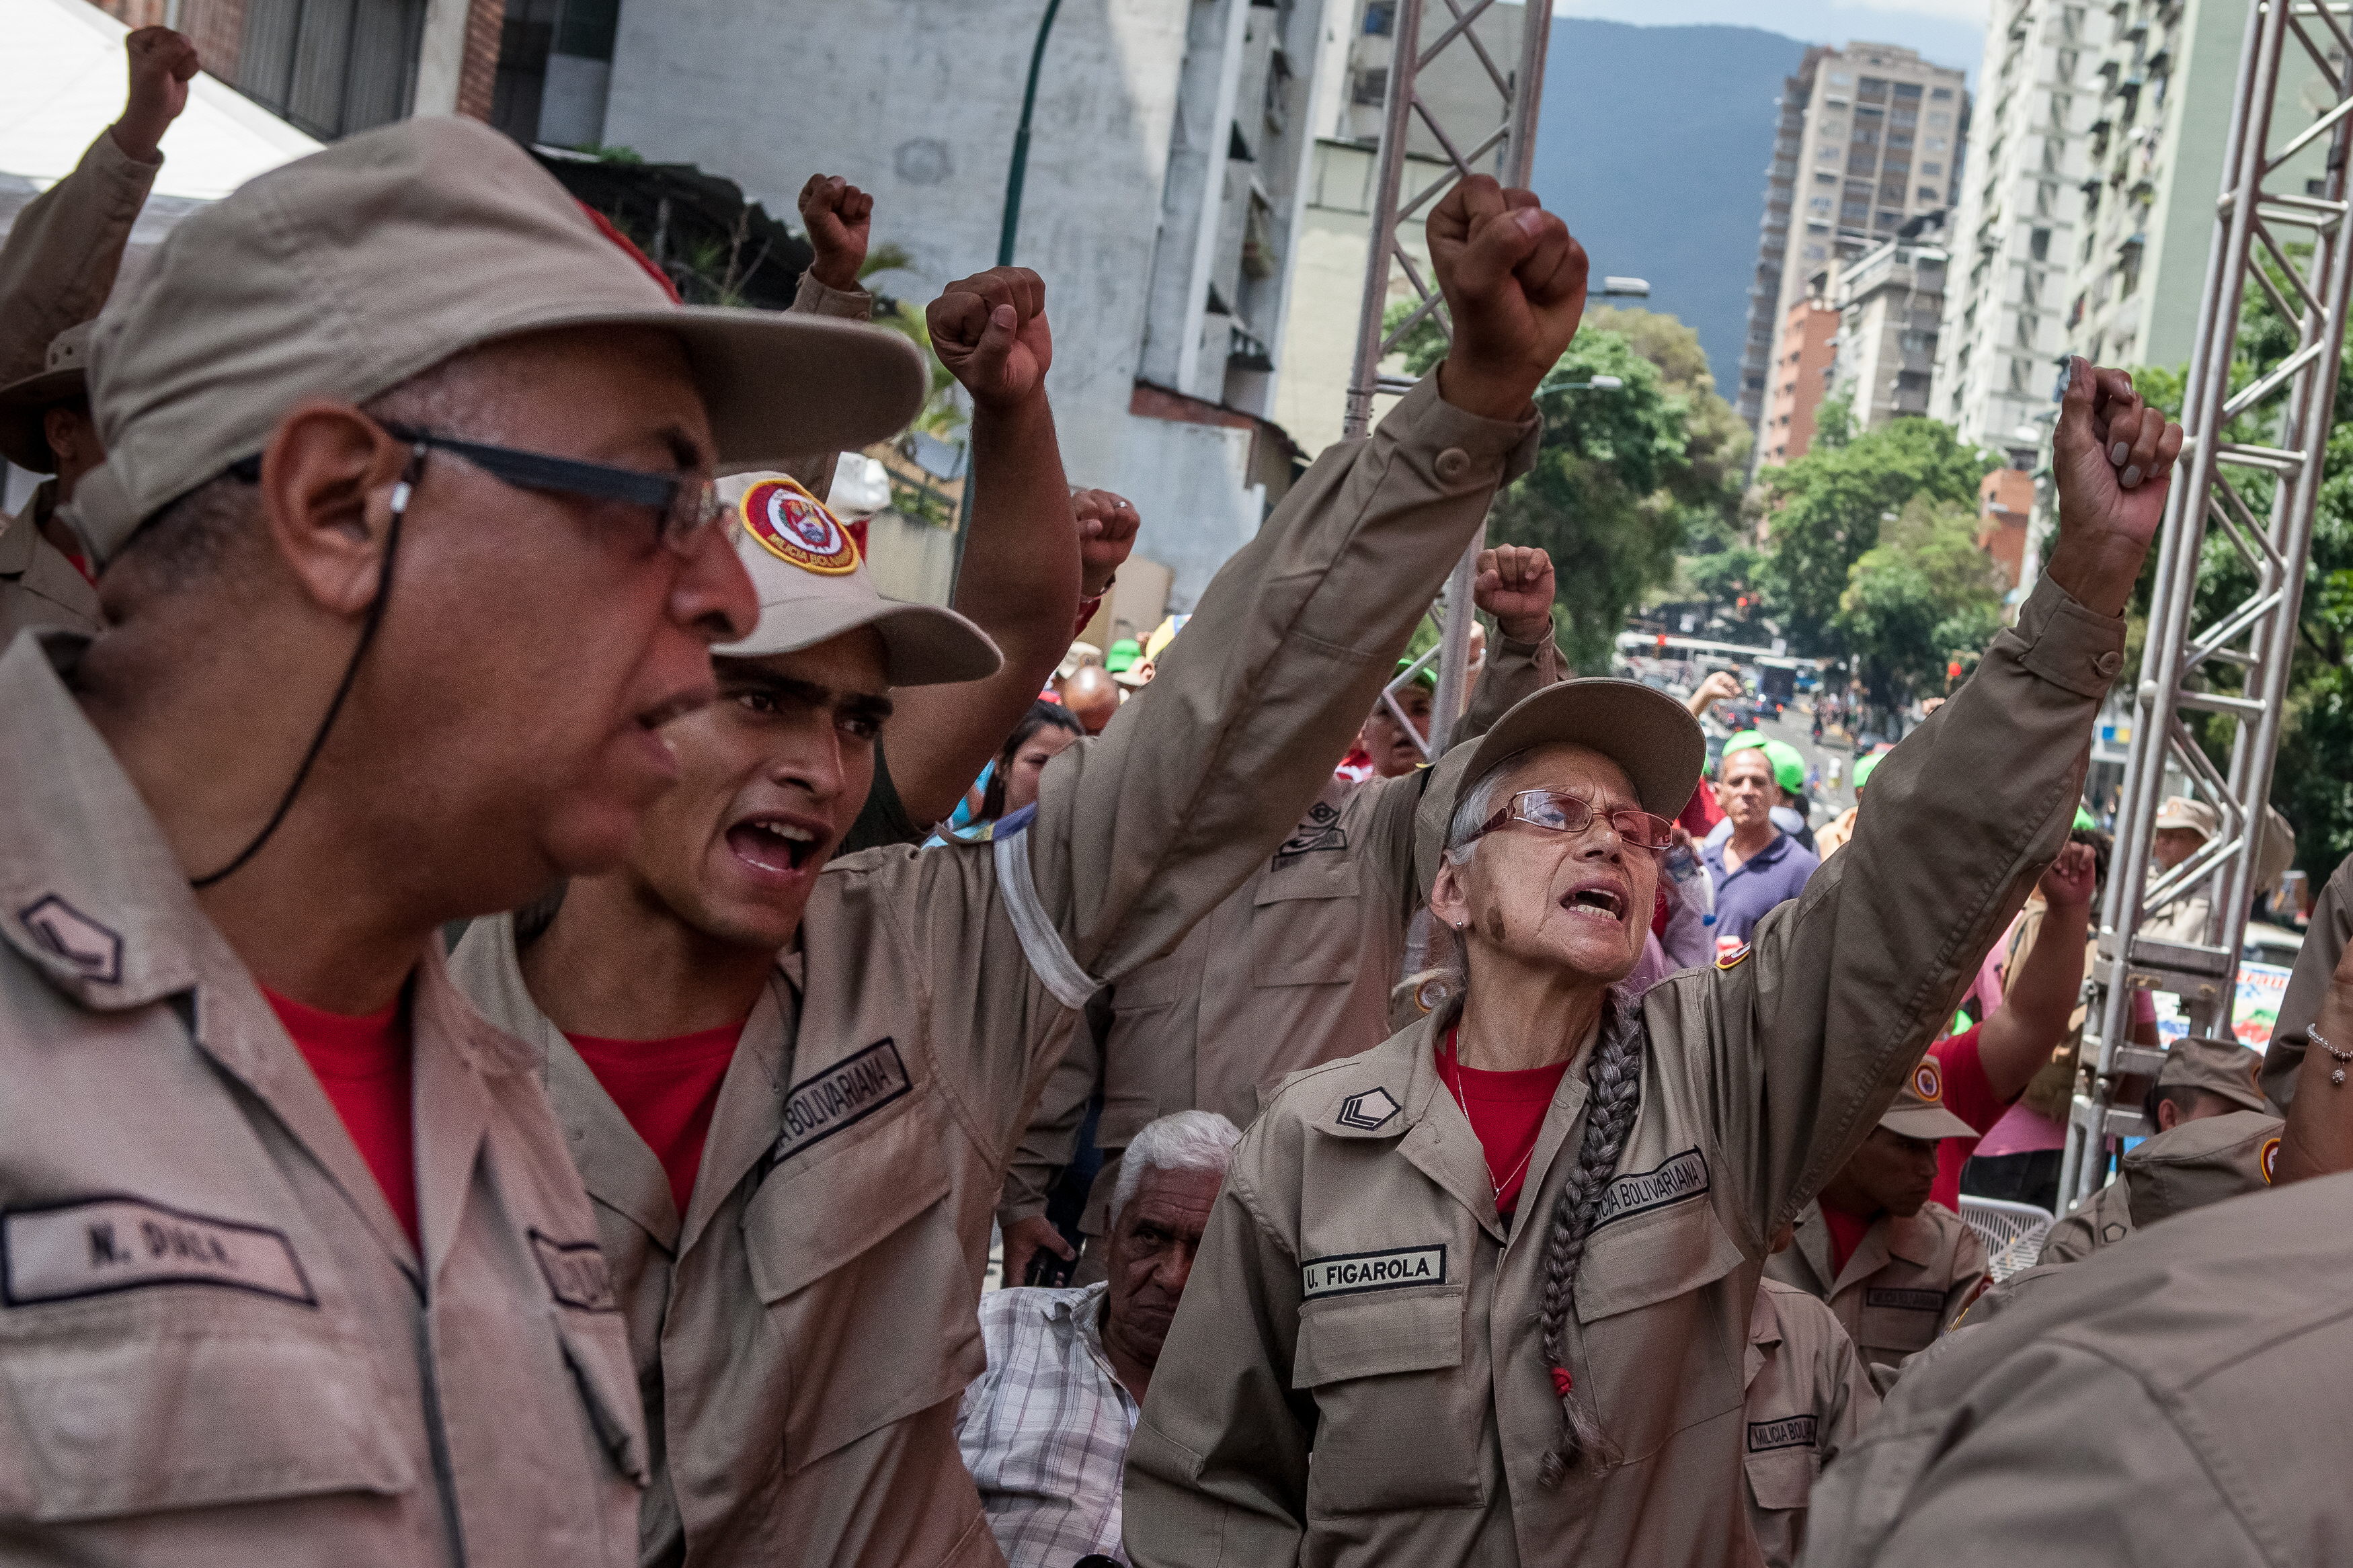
1804,349
1891,301
1877,140
2021,223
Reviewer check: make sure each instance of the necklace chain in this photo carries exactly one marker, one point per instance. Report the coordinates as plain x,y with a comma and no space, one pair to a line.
1456,1086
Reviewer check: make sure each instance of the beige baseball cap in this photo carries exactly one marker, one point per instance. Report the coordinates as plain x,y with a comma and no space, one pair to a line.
2222,1067
23,402
2200,1162
813,585
347,272
2180,811
1919,1109
1652,737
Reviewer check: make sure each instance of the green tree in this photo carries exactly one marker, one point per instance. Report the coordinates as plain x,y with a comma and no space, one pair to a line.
1825,512
1924,594
1615,486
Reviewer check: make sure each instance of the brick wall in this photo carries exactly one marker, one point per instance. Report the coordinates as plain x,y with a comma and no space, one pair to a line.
478,78
216,26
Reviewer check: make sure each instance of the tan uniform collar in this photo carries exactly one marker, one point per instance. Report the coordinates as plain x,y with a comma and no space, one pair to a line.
20,536
1395,1091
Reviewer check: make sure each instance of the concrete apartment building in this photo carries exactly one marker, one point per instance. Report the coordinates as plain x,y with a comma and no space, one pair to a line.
1804,349
1870,137
1166,180
1891,303
1319,337
2021,224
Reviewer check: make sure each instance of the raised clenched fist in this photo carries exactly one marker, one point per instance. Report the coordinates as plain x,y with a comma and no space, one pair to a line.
2113,457
1107,525
1514,584
837,216
163,63
1514,285
990,331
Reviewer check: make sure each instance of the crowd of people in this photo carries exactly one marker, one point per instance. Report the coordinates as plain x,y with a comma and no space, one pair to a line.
534,998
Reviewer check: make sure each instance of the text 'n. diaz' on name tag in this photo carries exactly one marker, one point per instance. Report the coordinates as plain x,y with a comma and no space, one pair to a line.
852,1088
97,1246
1348,1273
1903,1301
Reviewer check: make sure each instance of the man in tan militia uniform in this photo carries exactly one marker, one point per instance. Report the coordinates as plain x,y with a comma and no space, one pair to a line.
1808,1395
1360,1295
1294,968
805,1329
1919,1263
2202,1079
2324,940
57,267
350,414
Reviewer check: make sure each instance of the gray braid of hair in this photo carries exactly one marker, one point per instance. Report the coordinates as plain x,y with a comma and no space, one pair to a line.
1614,1080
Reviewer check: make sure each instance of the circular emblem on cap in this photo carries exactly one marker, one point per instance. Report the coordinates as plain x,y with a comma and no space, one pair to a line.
1927,1082
2268,1158
792,525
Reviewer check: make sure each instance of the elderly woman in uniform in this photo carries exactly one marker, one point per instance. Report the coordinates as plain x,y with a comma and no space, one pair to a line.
1492,1277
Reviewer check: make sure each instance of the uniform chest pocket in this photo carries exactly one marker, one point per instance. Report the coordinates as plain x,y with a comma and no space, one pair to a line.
1900,1319
856,1258
1660,1316
1398,1426
119,1413
1781,1477
1304,922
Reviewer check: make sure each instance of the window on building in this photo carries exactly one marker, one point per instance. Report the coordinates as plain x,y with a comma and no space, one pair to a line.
1380,18
1940,94
1840,80
1372,86
1930,171
1819,205
1925,193
1934,144
1817,253
1826,153
2038,245
1907,90
2128,272
1939,119
333,67
1872,91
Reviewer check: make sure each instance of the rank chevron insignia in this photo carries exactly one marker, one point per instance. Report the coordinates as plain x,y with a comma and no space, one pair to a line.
1368,1111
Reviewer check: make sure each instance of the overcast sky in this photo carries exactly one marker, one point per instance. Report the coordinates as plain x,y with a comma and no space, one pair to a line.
1950,32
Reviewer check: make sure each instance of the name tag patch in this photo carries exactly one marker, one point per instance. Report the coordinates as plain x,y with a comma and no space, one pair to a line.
1906,1300
851,1089
1788,1432
100,1246
576,1272
1684,1176
1352,1272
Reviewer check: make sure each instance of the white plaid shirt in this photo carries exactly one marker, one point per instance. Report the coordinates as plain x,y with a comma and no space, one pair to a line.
1044,1430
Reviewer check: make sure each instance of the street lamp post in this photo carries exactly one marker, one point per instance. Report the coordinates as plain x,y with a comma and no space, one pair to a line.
1020,165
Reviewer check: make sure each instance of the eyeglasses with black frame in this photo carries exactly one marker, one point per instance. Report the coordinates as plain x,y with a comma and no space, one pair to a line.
1556,811
685,505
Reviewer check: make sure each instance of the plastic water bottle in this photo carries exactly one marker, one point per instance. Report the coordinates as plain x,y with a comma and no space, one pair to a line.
1692,883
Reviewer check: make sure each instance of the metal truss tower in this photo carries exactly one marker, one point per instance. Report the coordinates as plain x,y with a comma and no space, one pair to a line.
1502,146
2280,236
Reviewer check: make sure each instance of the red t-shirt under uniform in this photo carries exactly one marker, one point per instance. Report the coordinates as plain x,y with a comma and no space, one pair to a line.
668,1089
1506,1109
1968,1096
365,1065
1847,1231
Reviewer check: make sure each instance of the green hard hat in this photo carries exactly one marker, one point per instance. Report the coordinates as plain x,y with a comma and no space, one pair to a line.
1427,674
1123,655
1788,767
2084,821
1864,766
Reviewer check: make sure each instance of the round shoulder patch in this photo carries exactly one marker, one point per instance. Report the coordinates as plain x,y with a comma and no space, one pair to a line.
2269,1159
792,525
1928,1080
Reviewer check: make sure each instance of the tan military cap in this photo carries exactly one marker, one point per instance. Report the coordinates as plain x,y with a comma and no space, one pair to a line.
347,272
1919,1109
2218,1066
2180,811
23,402
1652,737
2200,1162
813,585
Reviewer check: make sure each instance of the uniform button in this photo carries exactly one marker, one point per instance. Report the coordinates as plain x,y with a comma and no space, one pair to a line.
1453,463
2107,664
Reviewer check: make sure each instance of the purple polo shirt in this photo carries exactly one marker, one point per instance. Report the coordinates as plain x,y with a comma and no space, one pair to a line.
1776,872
